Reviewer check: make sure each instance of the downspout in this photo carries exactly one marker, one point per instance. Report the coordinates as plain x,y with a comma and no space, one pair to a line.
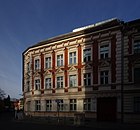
122,73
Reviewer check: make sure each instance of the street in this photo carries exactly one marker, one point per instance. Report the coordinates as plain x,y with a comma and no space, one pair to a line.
7,122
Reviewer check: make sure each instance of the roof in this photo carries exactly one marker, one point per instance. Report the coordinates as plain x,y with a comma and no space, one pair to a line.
79,31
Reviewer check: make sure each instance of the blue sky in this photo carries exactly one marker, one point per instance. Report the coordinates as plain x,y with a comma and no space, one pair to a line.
24,23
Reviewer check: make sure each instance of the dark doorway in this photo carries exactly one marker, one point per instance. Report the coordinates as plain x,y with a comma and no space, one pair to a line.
106,109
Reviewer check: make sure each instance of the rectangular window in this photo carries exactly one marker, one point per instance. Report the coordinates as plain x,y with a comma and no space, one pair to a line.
60,82
48,105
137,104
104,77
72,58
72,80
60,104
47,83
73,105
48,62
28,67
87,79
104,51
37,84
136,75
37,105
87,104
137,46
28,86
29,106
37,64
87,55
59,60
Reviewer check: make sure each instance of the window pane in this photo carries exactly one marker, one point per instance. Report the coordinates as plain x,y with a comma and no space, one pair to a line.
48,83
87,55
87,79
137,104
37,64
60,60
72,58
137,46
60,82
104,51
137,75
48,62
104,77
72,80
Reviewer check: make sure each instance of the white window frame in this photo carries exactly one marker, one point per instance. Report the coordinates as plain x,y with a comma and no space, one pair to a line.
48,105
60,62
87,79
104,76
48,84
72,57
73,82
70,51
73,104
86,47
37,105
104,52
87,104
37,64
86,55
60,104
48,62
60,81
37,84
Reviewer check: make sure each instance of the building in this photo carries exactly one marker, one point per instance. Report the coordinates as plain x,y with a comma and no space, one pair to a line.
93,70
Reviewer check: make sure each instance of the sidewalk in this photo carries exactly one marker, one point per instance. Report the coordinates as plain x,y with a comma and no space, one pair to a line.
88,124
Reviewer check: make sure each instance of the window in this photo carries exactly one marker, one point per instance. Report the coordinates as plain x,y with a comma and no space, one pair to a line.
87,104
87,79
28,67
72,58
87,55
37,84
60,82
60,104
37,64
28,105
48,62
73,104
104,51
37,105
48,105
47,83
137,46
136,75
59,60
72,80
28,86
104,77
137,104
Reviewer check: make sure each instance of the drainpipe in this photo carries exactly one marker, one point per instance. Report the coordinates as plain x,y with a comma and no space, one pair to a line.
122,74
